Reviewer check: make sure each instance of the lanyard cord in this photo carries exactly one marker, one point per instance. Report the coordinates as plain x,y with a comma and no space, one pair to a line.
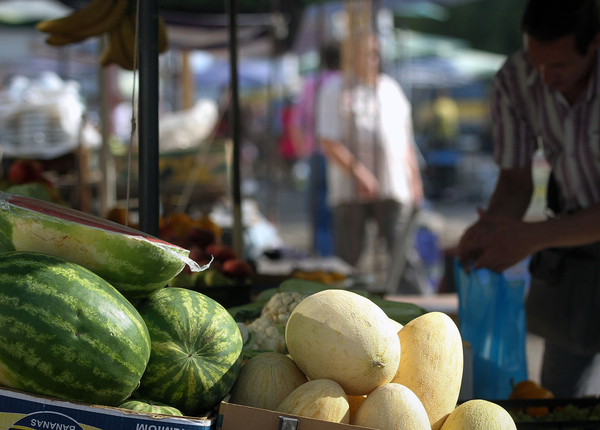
133,115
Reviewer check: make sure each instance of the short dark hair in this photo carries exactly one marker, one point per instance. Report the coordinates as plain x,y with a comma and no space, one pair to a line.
548,20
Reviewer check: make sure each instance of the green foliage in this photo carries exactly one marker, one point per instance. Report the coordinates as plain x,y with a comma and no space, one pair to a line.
488,25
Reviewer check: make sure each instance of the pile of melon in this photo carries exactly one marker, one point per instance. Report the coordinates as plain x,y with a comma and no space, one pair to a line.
349,363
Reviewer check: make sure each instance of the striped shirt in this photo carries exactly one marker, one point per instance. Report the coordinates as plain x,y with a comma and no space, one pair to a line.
527,114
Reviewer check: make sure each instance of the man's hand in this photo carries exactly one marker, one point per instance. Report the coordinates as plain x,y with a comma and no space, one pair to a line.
509,242
496,242
499,238
470,247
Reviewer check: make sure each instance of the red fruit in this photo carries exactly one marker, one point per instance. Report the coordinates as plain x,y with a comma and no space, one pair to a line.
217,265
201,237
220,252
197,254
236,268
169,236
23,171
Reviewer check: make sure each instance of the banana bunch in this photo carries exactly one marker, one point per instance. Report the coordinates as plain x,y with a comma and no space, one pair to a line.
115,18
120,48
97,18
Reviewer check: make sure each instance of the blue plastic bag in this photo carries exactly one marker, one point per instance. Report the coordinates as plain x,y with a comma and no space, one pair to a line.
491,315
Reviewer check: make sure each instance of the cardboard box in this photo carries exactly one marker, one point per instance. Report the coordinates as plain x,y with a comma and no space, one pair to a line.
19,410
236,417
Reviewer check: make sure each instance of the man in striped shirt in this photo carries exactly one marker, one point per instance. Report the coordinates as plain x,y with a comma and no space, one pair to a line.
548,96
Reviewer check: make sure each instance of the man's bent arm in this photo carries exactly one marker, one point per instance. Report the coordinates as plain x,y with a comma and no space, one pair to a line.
512,194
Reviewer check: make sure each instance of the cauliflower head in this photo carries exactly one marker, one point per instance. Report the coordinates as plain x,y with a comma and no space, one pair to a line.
267,335
280,306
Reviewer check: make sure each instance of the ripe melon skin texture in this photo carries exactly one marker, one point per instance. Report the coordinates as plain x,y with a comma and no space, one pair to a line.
392,407
67,333
479,415
345,337
321,399
266,380
431,364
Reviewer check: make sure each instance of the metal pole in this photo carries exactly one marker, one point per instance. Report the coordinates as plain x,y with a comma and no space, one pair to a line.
238,242
149,191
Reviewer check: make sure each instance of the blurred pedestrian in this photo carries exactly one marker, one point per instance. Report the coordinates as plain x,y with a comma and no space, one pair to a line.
367,136
303,135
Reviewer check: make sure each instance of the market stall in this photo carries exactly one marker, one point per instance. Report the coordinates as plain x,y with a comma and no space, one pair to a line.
165,327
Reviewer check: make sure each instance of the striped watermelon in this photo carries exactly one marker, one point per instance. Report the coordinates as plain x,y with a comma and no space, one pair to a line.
67,333
133,262
196,350
150,407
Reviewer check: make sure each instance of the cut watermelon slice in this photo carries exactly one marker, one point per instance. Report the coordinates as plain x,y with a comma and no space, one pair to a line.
135,263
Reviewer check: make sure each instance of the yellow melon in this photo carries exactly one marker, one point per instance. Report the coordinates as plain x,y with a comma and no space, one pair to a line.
345,337
266,380
322,399
479,415
431,364
392,407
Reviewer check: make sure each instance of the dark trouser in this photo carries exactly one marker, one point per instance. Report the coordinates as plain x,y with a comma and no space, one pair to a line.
349,222
570,375
563,307
320,214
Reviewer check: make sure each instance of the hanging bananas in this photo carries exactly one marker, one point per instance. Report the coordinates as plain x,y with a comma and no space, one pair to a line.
120,48
98,17
115,18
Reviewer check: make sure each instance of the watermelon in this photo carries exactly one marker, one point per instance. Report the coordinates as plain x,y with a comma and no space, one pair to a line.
135,263
67,333
196,350
150,407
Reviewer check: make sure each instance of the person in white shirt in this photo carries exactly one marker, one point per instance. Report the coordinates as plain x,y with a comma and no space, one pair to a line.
366,134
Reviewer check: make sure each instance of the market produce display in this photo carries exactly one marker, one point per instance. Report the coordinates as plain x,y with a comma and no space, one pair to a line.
204,240
67,333
322,276
570,413
266,380
196,350
117,19
329,324
532,405
92,315
264,319
531,390
133,262
26,178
